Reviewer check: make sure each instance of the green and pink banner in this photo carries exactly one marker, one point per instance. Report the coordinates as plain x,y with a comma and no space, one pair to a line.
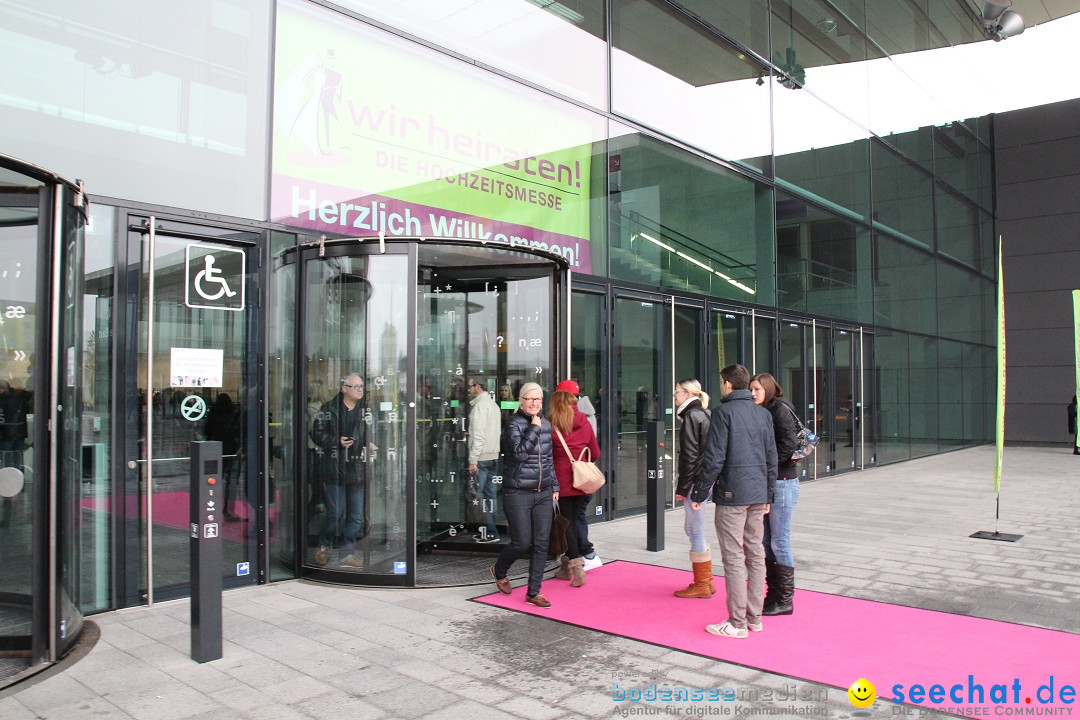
375,135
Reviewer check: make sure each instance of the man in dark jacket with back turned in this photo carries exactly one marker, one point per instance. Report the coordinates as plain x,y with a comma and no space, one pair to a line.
739,470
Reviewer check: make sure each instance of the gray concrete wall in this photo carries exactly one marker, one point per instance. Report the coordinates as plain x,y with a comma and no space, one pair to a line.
1037,154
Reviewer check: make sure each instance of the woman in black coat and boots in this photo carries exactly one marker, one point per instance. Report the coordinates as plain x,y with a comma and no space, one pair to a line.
691,403
779,560
530,490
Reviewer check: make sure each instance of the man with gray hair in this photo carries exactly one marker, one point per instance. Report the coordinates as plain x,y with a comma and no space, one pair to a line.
340,436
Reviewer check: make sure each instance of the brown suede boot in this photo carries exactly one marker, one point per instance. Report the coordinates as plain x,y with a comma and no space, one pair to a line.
563,573
702,585
577,572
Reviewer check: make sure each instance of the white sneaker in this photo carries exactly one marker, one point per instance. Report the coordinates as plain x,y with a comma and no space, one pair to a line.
754,627
595,562
726,629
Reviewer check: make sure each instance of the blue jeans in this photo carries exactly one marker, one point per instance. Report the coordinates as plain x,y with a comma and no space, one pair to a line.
11,453
485,486
529,514
347,500
694,525
778,523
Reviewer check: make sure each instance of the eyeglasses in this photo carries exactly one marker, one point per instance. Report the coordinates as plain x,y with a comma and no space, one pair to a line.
359,386
533,399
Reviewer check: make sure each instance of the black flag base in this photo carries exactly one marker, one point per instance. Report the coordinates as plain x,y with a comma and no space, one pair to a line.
995,535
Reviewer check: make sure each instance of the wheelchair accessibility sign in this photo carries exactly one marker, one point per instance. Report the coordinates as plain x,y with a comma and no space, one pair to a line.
214,277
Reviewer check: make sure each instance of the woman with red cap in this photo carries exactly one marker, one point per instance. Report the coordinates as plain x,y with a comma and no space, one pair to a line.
573,433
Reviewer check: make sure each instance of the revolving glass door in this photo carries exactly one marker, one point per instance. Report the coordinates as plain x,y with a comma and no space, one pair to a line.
398,345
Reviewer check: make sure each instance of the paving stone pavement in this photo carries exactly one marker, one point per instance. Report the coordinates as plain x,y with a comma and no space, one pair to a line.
301,650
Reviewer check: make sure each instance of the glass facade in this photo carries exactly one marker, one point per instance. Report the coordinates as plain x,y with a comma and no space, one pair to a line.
757,182
672,69
823,262
680,222
178,92
563,49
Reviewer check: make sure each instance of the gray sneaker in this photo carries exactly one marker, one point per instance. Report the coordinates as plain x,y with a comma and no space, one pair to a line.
352,561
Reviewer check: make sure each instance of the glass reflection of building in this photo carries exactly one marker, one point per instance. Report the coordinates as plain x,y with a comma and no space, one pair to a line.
765,183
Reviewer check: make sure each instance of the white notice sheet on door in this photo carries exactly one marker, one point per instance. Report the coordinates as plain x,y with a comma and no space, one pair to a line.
196,367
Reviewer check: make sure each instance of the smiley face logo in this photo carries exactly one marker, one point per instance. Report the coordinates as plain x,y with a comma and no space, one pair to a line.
862,693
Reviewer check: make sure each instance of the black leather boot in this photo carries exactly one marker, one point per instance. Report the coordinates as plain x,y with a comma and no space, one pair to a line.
772,583
785,592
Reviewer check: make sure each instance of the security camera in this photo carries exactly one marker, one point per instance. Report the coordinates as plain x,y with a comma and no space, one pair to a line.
1009,24
1000,22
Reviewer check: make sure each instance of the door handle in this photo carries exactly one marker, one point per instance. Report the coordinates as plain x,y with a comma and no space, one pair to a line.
132,464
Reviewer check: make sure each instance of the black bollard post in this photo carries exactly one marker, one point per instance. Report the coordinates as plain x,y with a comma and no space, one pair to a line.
656,487
207,510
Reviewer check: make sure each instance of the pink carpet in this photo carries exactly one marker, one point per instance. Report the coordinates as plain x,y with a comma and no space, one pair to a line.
830,640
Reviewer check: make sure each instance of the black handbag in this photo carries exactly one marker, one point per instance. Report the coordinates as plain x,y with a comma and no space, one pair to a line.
474,503
557,541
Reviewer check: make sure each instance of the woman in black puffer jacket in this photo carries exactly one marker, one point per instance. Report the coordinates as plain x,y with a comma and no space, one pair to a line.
779,560
530,491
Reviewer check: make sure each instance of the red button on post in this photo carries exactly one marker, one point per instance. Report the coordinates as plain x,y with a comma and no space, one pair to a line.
211,481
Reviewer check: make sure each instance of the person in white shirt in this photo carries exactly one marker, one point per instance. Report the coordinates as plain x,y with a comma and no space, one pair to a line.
485,431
